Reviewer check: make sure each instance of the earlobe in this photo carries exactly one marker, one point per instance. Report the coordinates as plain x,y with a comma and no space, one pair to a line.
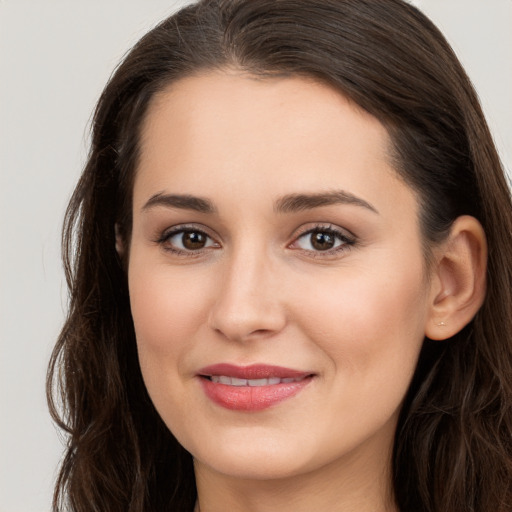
119,240
458,279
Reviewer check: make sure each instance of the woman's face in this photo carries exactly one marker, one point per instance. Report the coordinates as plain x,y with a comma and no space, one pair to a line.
276,275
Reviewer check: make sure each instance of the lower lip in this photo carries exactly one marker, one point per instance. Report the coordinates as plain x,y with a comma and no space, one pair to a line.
251,398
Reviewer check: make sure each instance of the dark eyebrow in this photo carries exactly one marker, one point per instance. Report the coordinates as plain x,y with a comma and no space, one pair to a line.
185,202
299,202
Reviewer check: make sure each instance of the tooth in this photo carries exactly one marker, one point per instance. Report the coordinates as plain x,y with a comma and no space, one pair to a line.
235,381
258,382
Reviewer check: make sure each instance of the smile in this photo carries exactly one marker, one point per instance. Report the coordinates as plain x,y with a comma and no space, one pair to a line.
251,388
234,381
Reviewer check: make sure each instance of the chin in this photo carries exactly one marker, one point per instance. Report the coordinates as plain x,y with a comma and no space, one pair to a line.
262,468
251,458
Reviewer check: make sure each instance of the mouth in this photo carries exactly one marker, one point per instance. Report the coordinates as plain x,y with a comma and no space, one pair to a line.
235,381
251,388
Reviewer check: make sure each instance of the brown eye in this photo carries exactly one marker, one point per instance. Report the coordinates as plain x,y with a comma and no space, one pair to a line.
322,241
193,240
186,240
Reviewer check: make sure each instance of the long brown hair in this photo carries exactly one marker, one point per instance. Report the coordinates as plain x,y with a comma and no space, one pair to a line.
453,445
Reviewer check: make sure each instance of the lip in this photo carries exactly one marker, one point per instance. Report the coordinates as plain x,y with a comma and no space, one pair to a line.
252,398
253,371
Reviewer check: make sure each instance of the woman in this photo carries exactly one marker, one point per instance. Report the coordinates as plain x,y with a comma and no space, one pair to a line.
289,261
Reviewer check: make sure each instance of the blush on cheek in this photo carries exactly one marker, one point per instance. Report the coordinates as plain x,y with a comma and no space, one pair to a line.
368,317
161,308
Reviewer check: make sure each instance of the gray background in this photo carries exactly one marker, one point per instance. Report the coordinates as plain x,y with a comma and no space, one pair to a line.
55,57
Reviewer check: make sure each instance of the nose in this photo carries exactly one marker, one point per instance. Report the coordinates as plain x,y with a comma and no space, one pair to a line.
248,305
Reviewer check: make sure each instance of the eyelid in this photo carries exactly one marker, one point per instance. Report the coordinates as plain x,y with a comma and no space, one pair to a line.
343,234
346,236
311,227
168,233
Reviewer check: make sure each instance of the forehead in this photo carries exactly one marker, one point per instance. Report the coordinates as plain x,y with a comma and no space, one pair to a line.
259,136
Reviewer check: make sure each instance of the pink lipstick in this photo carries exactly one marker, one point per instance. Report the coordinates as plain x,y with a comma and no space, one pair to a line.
251,388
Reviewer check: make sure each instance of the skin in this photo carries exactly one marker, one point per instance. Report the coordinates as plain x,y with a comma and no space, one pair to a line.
259,291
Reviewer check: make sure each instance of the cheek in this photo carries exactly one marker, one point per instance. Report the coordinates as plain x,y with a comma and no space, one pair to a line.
371,330
166,314
370,323
165,306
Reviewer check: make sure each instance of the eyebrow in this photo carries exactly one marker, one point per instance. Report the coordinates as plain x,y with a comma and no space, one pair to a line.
300,202
287,204
185,202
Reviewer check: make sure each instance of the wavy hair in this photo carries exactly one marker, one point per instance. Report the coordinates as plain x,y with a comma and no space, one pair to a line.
453,445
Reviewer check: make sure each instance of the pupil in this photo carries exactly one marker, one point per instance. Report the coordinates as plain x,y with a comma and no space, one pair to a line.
322,241
193,240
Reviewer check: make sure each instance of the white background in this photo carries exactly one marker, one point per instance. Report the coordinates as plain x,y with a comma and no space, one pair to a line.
55,57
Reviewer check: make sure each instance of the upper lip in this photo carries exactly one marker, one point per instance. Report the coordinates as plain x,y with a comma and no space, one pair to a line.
253,371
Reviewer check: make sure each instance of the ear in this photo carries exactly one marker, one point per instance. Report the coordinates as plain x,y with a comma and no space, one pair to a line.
119,240
457,279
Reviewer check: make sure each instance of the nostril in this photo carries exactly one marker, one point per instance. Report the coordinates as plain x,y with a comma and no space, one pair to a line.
261,332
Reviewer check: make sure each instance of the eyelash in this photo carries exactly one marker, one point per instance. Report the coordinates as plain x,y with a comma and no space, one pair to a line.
346,241
164,240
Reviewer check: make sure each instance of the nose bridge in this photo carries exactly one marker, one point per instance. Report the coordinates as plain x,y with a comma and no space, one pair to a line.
247,304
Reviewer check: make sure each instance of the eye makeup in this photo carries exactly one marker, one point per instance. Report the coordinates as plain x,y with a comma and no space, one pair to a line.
317,240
